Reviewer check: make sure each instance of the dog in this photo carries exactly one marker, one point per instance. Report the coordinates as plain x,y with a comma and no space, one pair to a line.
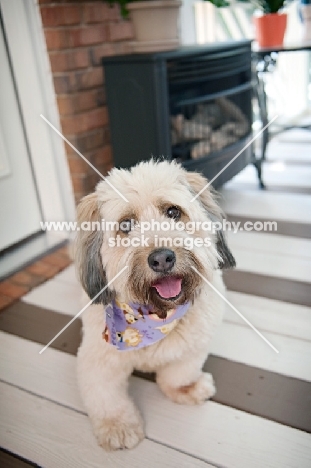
159,314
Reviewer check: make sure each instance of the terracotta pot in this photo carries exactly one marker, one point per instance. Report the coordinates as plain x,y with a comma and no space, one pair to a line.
270,29
156,23
305,11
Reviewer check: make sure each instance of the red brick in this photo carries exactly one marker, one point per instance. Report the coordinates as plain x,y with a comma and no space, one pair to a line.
103,156
13,290
65,104
120,31
5,301
88,35
109,49
91,140
69,60
66,251
103,50
27,279
97,118
57,260
77,165
66,83
101,97
99,12
93,181
43,269
80,184
61,84
80,123
73,104
56,39
85,100
52,271
73,124
61,15
90,79
78,197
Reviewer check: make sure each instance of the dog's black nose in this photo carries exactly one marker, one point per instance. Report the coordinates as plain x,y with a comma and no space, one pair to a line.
161,260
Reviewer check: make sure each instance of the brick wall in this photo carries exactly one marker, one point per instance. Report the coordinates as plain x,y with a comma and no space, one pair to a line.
78,34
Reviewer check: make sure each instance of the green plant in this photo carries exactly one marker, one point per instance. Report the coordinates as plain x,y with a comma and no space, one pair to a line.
123,4
267,6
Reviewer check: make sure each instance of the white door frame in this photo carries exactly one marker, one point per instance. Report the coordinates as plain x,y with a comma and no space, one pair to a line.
32,72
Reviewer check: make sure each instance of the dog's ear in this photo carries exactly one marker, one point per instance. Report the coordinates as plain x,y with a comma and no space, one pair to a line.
87,251
207,199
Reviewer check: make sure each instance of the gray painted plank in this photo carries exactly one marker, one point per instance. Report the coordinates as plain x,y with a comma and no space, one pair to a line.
286,290
9,460
285,228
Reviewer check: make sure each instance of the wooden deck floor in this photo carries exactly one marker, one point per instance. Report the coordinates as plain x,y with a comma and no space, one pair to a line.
261,415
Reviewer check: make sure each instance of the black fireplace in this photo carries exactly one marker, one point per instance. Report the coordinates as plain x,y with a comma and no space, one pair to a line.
193,104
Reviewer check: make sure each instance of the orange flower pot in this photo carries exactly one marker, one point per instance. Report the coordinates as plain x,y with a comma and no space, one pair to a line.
270,29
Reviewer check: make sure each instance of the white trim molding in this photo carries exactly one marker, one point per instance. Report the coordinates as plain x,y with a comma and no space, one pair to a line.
33,77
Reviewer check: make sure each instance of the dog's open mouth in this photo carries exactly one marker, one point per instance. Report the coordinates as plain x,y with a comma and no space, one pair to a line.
168,288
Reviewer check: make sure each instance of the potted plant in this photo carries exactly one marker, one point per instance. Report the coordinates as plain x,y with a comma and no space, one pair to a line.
270,25
155,22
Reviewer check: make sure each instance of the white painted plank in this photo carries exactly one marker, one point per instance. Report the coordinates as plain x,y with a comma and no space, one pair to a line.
270,243
242,344
51,374
299,137
221,435
270,315
274,173
53,436
60,296
217,434
276,265
272,255
293,145
252,204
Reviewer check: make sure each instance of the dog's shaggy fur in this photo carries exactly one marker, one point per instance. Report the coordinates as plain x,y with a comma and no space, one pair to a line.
103,371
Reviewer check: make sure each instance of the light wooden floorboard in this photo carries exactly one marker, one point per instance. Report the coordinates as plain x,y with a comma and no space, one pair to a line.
212,432
278,317
53,436
258,204
242,344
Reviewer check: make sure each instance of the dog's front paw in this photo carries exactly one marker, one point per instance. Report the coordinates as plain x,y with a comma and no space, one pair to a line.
115,433
193,394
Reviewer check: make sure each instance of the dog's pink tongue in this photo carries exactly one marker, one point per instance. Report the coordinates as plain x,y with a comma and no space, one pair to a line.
168,287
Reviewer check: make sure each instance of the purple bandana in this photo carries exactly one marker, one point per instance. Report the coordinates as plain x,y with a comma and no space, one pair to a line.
134,326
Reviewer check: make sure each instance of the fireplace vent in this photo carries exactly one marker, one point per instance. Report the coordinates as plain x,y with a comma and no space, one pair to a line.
193,104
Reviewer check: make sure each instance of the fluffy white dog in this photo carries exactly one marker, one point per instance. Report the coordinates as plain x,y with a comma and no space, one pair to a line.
158,314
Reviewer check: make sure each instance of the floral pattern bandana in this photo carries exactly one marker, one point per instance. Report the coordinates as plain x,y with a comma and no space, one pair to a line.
134,326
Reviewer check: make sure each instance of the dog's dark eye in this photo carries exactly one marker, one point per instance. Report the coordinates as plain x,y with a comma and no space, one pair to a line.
173,212
125,226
